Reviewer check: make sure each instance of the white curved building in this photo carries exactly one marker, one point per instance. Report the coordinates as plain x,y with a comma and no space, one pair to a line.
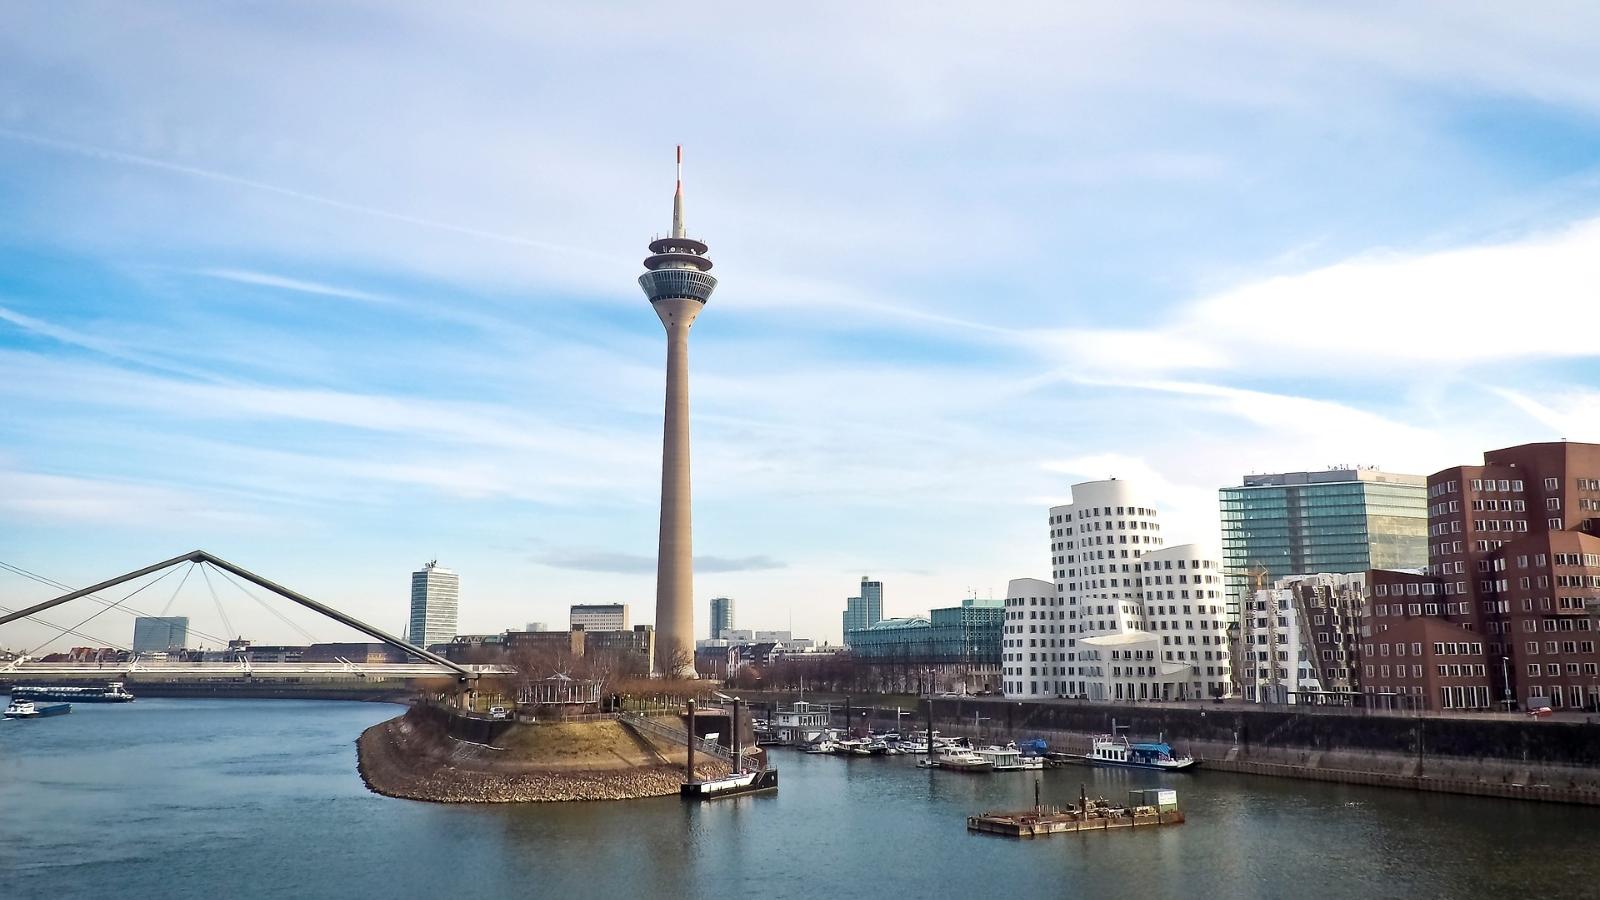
1118,628
1034,645
1185,606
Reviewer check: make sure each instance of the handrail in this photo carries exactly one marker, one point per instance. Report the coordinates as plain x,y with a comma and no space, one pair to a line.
675,735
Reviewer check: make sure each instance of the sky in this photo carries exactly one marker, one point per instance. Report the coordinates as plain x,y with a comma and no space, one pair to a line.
334,289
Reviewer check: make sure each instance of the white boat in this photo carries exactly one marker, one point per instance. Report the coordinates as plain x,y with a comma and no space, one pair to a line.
1009,759
1114,751
958,759
27,709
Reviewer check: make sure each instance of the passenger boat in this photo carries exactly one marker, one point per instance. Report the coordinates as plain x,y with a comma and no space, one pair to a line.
27,709
111,692
1117,752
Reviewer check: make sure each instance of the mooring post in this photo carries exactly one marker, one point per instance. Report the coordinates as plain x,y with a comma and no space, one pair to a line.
689,759
738,756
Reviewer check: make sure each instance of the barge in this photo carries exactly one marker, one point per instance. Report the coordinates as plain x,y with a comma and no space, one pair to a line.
1146,808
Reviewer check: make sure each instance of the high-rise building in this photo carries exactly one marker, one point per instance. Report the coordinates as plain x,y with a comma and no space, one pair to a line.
1503,613
1126,618
1339,521
600,616
678,284
864,611
155,634
721,617
435,594
537,626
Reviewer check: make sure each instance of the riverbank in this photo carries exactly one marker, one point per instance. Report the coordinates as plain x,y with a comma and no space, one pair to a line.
1503,757
413,757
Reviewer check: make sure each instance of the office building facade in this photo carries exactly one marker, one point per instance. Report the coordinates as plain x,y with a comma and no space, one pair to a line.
864,611
721,617
435,597
1300,640
1339,521
599,616
1503,615
157,634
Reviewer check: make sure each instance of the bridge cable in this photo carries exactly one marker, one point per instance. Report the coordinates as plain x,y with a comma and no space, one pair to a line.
99,611
130,610
310,638
217,603
187,572
63,630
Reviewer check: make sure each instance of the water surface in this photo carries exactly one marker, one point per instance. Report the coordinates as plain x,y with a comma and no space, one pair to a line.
260,799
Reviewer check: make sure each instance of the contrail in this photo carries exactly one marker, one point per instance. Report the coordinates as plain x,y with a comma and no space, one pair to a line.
93,152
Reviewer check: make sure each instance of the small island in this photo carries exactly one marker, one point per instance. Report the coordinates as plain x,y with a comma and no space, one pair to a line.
554,751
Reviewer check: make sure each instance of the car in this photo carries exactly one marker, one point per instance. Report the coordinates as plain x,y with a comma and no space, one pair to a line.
1539,712
499,712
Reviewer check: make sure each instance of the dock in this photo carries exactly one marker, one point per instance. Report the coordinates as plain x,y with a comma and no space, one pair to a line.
1146,808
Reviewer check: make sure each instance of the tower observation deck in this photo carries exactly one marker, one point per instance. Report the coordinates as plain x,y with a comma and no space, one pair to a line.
678,283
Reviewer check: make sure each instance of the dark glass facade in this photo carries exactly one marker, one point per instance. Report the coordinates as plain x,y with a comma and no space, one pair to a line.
1306,523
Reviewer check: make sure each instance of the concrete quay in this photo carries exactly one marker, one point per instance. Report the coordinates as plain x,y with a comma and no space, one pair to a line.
1506,757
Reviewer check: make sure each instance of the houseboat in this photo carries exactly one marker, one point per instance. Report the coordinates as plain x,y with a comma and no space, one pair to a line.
1009,759
1116,751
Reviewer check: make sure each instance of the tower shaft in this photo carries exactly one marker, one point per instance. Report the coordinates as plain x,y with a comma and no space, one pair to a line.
675,557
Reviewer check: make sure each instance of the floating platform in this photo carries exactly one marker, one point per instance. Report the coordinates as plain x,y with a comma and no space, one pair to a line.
731,786
1146,809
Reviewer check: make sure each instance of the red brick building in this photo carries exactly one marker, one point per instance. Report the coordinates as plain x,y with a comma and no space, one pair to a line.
1503,612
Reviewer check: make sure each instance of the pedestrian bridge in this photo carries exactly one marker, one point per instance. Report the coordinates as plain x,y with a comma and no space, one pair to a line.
420,662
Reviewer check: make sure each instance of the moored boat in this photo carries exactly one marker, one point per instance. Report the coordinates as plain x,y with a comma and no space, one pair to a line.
958,759
1009,759
1115,751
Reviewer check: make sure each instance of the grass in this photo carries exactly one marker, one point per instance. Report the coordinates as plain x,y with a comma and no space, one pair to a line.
578,745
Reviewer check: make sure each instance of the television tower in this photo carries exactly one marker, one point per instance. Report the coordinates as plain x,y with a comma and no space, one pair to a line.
678,286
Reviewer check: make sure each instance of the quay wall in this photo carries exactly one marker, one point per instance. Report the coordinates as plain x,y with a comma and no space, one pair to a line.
1557,761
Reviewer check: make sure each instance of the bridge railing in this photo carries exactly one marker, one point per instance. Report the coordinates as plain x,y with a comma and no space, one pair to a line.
675,735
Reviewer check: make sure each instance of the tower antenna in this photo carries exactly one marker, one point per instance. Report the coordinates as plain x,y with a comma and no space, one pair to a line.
678,229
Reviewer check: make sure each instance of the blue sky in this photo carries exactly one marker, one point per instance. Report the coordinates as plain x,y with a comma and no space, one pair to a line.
332,290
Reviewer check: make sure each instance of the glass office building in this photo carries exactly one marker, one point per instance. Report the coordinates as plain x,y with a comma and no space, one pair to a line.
864,611
968,634
1339,521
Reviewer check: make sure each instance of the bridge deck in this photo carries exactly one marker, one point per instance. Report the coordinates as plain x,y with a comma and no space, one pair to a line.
202,671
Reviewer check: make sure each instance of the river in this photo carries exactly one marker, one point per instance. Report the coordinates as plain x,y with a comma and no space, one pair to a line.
255,799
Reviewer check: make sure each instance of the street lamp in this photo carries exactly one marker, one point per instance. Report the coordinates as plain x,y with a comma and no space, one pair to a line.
1505,680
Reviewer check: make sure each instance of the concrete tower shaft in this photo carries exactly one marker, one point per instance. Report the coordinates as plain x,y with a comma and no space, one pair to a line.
678,284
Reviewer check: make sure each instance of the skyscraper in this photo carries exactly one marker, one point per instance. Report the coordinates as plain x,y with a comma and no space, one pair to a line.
864,611
678,285
721,616
435,592
155,634
1340,521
